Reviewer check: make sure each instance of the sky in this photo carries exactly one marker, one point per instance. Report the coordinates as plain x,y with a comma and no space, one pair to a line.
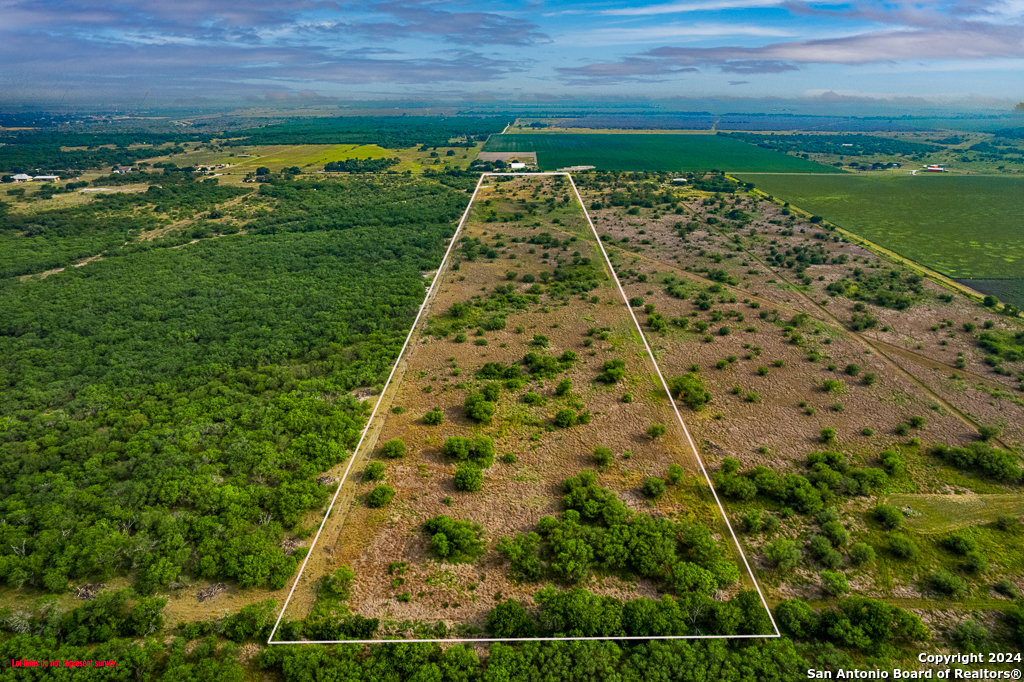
302,52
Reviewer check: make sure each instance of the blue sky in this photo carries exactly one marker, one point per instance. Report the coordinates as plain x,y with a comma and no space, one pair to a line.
309,51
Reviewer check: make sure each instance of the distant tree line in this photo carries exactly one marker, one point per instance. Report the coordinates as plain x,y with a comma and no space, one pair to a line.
361,165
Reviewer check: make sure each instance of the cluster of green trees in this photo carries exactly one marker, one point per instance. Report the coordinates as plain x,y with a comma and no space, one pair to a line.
579,613
387,202
1002,346
392,132
42,240
829,475
860,145
855,622
28,154
453,540
598,532
894,289
1002,465
167,412
361,165
109,615
557,661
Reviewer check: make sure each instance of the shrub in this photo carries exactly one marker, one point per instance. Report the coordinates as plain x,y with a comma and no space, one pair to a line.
656,431
479,450
455,541
1005,587
510,620
822,550
752,520
862,553
975,562
902,429
852,369
959,544
869,379
783,554
676,474
903,547
798,618
337,585
614,371
986,433
944,582
828,435
891,518
393,449
834,583
762,371
479,408
689,390
564,386
970,635
374,471
468,477
867,431
892,463
380,496
603,456
917,422
636,302
433,418
1008,523
999,464
836,533
565,419
627,397
532,398
834,386
654,487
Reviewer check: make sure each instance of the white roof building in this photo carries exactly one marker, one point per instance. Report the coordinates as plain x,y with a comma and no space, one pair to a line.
21,177
47,178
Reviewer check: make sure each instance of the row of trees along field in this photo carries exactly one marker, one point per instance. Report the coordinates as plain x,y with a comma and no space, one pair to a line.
853,633
840,145
166,413
28,150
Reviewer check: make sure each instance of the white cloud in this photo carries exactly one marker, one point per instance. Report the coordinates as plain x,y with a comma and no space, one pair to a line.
668,32
697,6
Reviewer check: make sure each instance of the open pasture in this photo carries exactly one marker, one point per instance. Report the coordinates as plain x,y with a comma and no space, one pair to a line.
651,152
939,513
965,227
312,157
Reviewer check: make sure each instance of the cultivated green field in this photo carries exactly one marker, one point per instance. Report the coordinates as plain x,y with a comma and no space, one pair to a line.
647,152
966,227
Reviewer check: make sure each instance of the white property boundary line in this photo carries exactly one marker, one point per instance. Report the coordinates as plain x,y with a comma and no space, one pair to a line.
373,414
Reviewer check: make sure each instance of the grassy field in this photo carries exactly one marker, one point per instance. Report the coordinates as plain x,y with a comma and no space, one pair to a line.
312,157
966,227
940,513
650,152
